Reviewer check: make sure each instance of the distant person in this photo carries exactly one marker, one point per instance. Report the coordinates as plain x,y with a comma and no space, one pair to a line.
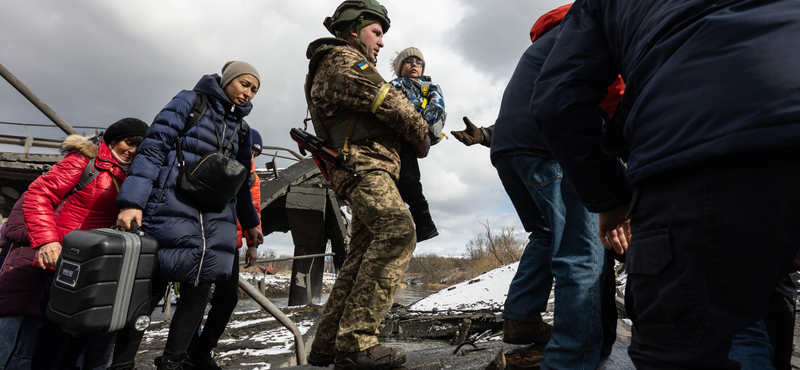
196,247
562,244
713,141
409,66
226,293
345,93
51,210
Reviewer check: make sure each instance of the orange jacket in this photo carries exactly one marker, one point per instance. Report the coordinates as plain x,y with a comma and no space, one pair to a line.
255,190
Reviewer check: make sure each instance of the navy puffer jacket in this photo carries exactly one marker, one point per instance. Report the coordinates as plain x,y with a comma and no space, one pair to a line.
704,79
195,247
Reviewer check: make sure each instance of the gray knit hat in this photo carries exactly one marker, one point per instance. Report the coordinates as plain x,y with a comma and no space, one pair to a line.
397,62
234,69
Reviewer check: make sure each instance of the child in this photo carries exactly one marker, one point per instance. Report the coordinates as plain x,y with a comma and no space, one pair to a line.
409,65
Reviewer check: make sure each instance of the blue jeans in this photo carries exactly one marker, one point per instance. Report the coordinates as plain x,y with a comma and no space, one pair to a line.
9,327
563,245
17,332
752,348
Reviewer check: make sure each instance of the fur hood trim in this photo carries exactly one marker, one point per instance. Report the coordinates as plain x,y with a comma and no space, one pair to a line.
86,145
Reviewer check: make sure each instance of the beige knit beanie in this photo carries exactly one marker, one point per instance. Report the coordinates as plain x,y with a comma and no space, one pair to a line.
397,62
234,69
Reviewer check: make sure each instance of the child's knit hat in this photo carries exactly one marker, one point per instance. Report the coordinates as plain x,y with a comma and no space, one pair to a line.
397,62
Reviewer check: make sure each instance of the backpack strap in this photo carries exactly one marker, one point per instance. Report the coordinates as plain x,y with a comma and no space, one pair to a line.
88,175
198,110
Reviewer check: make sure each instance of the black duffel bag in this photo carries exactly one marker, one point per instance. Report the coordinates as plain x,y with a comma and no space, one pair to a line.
216,178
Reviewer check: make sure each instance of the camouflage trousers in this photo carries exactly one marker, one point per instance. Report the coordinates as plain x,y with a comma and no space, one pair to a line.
382,241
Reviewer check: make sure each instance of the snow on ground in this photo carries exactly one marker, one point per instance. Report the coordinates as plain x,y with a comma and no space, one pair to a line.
279,340
281,281
487,291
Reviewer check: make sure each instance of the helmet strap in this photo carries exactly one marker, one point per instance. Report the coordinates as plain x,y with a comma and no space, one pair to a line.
361,46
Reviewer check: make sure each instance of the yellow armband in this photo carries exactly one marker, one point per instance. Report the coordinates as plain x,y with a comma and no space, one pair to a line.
376,103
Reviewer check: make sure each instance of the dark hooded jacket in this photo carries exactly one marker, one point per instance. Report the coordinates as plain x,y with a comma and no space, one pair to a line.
18,277
705,79
194,246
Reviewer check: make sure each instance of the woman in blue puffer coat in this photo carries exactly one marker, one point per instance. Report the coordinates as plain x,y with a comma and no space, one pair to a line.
196,246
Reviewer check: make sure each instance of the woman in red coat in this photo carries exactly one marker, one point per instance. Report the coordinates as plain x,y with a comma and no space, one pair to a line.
52,210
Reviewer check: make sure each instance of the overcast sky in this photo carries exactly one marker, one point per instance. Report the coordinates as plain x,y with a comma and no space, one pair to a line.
95,61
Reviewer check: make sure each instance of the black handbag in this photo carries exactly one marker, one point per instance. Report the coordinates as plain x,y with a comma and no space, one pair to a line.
216,178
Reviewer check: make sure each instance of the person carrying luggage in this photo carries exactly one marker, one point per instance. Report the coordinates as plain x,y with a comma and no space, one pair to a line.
196,239
90,207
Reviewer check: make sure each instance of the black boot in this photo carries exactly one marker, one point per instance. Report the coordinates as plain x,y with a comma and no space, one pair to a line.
202,360
167,362
426,229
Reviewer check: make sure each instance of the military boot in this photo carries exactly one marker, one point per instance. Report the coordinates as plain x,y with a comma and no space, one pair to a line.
377,357
321,359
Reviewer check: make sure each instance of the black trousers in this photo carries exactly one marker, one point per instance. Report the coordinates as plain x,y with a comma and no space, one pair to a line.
710,243
226,295
409,183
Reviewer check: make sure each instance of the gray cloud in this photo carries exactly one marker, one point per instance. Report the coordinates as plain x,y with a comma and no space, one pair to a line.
95,61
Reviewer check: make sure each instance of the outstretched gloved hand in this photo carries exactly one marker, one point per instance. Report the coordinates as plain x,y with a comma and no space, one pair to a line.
470,136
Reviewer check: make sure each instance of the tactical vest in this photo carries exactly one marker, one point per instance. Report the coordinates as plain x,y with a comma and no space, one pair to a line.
334,130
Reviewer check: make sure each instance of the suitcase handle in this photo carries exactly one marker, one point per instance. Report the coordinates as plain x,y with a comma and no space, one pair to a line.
134,228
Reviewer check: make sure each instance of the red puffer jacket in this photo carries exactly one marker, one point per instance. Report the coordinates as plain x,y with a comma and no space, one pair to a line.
90,208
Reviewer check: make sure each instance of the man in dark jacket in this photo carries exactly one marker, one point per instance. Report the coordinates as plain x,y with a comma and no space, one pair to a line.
562,242
711,99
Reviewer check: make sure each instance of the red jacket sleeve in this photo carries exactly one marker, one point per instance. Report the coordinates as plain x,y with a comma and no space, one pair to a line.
45,194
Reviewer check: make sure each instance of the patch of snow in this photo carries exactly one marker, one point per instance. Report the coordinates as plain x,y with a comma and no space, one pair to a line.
265,365
238,324
487,291
254,352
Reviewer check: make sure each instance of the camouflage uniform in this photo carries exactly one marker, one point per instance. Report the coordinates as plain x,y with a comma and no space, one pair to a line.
382,233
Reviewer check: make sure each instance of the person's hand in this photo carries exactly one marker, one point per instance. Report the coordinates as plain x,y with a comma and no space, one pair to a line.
126,215
615,229
470,136
251,256
423,147
256,237
48,254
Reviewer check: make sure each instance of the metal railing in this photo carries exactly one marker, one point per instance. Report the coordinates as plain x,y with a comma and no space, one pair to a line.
28,141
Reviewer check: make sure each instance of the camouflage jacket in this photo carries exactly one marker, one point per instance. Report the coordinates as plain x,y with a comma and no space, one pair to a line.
341,84
412,89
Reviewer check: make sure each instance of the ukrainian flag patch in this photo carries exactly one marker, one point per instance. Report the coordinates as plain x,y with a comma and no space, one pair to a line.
363,65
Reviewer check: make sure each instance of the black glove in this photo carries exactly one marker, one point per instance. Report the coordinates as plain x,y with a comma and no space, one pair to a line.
423,147
471,136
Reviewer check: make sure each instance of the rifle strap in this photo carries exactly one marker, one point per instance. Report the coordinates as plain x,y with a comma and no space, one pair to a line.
350,129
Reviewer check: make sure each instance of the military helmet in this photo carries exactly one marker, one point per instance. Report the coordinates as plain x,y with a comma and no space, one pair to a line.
349,11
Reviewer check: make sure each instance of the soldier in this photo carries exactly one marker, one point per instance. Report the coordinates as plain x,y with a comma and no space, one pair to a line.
363,118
